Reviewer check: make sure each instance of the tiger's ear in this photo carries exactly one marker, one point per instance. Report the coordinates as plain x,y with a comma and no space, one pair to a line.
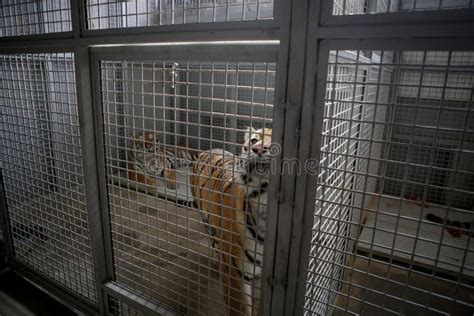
137,135
249,132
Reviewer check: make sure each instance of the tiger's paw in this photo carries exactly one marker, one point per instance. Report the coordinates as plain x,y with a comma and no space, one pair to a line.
172,185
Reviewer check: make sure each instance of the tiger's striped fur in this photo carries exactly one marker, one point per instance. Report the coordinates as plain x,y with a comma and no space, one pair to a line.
231,193
148,160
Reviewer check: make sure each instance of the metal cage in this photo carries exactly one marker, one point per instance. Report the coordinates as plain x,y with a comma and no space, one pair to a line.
204,100
386,165
240,157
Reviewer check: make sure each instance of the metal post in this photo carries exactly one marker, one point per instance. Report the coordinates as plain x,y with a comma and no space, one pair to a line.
86,118
289,194
5,222
89,156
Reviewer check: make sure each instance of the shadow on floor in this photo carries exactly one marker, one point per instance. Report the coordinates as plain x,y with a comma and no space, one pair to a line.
18,297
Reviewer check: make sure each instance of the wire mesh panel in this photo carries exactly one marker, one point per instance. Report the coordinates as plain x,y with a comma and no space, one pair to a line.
42,169
30,17
393,218
166,123
109,14
348,7
119,308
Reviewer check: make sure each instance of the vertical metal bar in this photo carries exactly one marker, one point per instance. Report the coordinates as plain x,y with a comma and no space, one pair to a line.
53,178
89,159
309,185
5,222
326,11
101,168
279,109
290,93
39,14
87,132
309,147
76,19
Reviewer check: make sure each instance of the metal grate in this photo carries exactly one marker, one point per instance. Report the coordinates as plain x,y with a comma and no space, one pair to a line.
397,145
349,7
110,14
31,17
162,249
42,168
118,308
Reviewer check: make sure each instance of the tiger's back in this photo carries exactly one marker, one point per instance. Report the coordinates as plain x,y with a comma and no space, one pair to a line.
218,196
149,160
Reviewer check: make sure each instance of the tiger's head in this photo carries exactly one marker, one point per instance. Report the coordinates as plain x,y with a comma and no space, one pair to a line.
146,142
144,146
256,149
257,143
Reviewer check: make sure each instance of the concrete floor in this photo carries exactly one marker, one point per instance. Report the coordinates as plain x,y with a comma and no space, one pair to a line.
162,251
369,279
20,298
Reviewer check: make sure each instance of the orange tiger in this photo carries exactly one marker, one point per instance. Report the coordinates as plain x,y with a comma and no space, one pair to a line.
149,159
231,192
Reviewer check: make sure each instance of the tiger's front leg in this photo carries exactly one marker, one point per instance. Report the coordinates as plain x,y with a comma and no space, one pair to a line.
170,178
168,173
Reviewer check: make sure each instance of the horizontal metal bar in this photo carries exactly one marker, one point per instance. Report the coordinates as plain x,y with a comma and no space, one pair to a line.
202,36
216,52
37,37
408,44
455,29
400,18
37,49
70,300
399,31
137,302
258,33
188,27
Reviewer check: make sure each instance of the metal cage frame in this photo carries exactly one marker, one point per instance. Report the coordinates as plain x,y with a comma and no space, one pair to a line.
306,31
224,53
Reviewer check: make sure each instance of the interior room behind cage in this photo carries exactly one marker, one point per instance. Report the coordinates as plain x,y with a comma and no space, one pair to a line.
395,165
392,224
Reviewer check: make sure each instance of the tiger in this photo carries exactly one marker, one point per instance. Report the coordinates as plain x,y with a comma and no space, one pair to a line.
231,193
148,159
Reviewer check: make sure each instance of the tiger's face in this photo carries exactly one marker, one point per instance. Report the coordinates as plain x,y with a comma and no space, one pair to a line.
146,141
256,149
257,143
145,146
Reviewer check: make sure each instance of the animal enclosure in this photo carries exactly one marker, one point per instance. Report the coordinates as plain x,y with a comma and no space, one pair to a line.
161,247
194,157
